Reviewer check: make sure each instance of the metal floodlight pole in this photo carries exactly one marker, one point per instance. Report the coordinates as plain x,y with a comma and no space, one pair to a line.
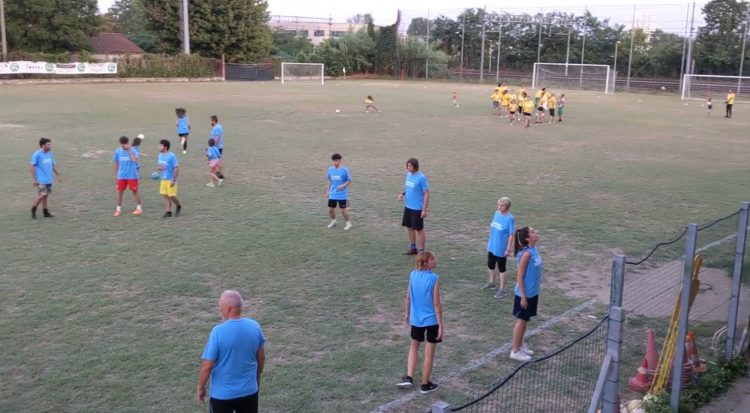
499,40
481,53
583,54
539,43
617,43
684,48
689,66
427,59
185,28
632,42
2,30
463,32
742,58
567,53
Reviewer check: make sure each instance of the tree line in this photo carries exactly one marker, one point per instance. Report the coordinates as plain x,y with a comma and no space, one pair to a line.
238,29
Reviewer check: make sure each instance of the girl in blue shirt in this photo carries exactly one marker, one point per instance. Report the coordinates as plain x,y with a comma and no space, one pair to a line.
183,127
529,271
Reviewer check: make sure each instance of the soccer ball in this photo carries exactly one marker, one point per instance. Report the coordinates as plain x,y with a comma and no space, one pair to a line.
155,175
337,111
141,136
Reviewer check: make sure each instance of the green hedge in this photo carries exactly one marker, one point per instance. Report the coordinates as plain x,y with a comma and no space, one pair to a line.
160,66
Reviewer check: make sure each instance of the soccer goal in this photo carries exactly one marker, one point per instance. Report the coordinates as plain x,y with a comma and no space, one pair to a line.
302,72
701,87
573,76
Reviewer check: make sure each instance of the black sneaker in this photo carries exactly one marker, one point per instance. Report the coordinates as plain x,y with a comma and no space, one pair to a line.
428,388
33,212
406,381
411,251
167,214
177,210
46,213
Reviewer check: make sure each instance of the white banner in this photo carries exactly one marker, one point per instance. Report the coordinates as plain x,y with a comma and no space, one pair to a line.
76,68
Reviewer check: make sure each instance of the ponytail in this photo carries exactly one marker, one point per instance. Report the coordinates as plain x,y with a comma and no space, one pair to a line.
521,240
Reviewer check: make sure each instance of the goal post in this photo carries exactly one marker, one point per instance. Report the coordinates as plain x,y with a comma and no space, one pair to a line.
701,87
302,72
573,76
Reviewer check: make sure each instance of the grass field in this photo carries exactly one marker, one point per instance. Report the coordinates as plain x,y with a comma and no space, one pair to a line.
111,314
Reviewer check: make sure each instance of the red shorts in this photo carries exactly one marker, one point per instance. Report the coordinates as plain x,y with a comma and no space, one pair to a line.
122,184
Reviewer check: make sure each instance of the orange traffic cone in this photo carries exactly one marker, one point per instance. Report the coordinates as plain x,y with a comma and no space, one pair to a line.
640,382
652,356
699,366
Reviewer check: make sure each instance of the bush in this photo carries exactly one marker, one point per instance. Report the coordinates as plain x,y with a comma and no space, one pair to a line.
165,66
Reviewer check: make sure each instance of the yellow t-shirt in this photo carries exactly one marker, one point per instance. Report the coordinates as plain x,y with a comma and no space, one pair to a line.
497,90
528,106
521,91
730,99
552,102
495,97
513,106
368,101
505,99
539,94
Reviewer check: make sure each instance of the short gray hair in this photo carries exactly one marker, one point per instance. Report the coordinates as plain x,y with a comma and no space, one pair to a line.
232,298
504,200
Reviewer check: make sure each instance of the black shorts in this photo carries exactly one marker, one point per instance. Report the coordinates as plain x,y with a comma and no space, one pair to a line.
512,112
529,311
221,151
552,112
492,259
247,404
540,109
342,203
431,332
413,219
183,135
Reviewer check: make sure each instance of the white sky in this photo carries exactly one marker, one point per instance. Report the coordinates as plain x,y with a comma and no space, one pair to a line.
668,15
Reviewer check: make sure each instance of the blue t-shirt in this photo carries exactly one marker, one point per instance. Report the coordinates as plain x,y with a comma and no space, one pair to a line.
126,168
500,229
213,153
233,347
416,184
137,152
532,278
422,307
43,163
338,177
169,162
182,125
217,133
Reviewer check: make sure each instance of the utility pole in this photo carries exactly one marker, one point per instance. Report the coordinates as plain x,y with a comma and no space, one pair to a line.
689,61
185,28
583,54
499,40
427,59
632,43
481,54
744,38
614,72
567,53
684,47
539,45
463,32
2,30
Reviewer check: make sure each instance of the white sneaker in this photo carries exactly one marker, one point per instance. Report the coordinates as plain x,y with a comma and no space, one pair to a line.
520,356
184,152
210,185
332,224
221,181
348,226
527,350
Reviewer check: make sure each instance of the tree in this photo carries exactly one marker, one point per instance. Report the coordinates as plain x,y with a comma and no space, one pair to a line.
665,54
356,19
386,52
51,25
237,28
351,51
418,27
131,21
717,50
287,44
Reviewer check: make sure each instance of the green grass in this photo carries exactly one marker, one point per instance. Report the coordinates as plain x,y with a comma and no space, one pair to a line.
105,314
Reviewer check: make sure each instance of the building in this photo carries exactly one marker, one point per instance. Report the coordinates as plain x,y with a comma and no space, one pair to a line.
106,47
315,29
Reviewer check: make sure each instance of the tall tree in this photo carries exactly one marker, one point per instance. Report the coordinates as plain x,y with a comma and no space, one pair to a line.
131,19
51,25
237,28
386,52
287,44
418,27
719,41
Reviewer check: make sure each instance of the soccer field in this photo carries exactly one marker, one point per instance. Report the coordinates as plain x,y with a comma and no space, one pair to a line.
111,314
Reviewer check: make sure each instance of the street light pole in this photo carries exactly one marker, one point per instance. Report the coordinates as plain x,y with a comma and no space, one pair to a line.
185,29
463,32
744,39
617,43
2,30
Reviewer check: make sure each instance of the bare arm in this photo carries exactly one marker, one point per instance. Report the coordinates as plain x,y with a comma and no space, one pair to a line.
261,357
426,203
438,308
510,244
205,373
115,165
176,172
33,174
407,306
54,169
521,271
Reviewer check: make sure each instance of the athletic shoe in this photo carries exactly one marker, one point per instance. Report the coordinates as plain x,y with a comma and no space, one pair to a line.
117,213
221,181
411,251
167,214
138,211
527,350
428,388
47,214
177,210
210,185
332,224
520,356
348,226
184,152
406,381
500,293
488,286
33,212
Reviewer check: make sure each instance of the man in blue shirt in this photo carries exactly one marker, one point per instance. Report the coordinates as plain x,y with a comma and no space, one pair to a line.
42,167
169,167
416,198
126,174
234,357
217,134
337,191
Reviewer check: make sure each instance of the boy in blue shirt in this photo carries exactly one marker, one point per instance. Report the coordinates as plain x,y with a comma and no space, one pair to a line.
416,199
42,167
183,127
337,191
126,174
168,164
212,157
217,134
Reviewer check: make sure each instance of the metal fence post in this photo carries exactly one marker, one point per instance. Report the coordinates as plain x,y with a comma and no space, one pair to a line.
690,246
611,396
618,281
739,258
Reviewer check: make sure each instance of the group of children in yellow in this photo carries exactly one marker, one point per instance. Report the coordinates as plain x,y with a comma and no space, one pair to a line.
520,106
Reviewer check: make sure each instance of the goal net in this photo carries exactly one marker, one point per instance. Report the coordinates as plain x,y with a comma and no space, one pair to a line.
573,76
701,87
302,72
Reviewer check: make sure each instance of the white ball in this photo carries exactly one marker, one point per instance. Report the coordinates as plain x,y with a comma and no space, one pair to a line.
337,111
141,136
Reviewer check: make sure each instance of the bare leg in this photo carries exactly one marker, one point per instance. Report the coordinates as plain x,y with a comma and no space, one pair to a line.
345,213
176,201
119,198
420,239
411,361
332,213
137,196
412,235
518,331
44,201
491,276
429,356
502,281
167,204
